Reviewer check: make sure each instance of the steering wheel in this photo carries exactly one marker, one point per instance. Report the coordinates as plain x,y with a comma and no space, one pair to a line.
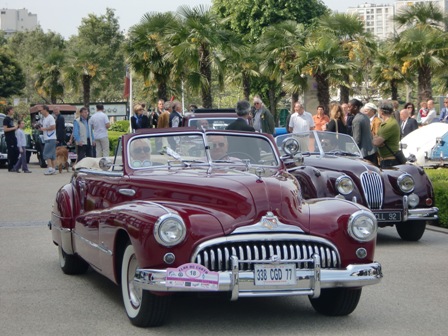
236,154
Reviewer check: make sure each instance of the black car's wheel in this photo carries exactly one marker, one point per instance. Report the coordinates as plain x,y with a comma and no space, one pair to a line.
337,301
143,308
411,230
71,264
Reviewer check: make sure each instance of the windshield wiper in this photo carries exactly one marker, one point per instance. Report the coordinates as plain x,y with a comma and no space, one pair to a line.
342,153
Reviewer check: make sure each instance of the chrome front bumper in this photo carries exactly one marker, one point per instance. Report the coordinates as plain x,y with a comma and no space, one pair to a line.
242,283
423,214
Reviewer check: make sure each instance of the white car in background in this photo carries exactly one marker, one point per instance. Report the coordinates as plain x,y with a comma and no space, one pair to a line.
428,145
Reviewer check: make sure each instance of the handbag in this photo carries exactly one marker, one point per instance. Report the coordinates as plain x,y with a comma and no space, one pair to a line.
398,155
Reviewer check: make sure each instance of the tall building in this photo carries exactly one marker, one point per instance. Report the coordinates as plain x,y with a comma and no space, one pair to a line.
17,20
377,19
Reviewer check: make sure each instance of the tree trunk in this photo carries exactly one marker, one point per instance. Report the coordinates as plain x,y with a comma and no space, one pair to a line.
206,73
394,89
294,99
424,83
162,91
272,100
246,86
344,94
86,90
323,90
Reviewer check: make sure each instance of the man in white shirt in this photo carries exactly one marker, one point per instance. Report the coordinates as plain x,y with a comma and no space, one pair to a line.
99,122
49,132
300,120
431,114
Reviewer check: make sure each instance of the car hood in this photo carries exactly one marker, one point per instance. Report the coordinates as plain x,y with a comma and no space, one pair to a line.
233,197
347,165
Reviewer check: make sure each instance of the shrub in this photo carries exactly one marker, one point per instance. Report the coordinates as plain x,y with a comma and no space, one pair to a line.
439,179
120,126
113,140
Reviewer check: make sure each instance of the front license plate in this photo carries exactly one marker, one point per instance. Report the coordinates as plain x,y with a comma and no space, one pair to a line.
388,216
266,274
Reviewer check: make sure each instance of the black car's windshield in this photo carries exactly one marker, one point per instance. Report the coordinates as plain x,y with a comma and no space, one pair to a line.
323,143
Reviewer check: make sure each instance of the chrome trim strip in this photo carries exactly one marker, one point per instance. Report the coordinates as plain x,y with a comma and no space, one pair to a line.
100,172
127,192
101,247
264,226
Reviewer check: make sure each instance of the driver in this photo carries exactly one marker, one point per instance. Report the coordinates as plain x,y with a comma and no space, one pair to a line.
203,124
140,153
218,147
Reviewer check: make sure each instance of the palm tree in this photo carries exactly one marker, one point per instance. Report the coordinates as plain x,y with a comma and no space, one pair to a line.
147,50
198,49
49,81
422,46
322,58
358,45
83,67
386,72
278,49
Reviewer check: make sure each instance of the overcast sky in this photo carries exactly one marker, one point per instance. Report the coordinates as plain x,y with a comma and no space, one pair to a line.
64,16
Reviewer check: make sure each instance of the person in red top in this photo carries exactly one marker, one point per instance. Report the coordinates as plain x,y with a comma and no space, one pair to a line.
320,119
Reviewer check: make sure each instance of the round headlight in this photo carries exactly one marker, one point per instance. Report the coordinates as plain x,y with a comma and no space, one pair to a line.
169,230
406,183
290,146
344,184
362,226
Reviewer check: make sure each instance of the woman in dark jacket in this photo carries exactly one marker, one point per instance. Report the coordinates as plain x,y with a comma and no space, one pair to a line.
139,119
337,123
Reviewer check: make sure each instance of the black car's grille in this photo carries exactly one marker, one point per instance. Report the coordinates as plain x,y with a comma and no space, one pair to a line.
216,256
373,189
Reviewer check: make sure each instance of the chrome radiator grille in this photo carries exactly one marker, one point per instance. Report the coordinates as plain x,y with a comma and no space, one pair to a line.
216,257
372,186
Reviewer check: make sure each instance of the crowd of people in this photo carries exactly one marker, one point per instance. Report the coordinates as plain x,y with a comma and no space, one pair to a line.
377,130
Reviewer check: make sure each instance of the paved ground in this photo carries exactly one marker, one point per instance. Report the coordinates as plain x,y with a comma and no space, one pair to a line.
26,199
36,298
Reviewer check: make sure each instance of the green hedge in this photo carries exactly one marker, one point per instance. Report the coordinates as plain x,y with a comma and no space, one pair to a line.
439,179
113,140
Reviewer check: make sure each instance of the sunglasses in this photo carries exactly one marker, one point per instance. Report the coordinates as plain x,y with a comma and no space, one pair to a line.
140,150
218,145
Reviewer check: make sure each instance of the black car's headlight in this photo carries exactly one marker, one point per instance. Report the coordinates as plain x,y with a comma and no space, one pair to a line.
362,226
344,184
169,230
406,183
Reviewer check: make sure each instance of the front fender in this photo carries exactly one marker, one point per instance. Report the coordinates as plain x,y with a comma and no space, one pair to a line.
330,221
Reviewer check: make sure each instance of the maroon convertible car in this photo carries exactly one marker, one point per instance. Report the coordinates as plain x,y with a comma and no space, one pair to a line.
187,210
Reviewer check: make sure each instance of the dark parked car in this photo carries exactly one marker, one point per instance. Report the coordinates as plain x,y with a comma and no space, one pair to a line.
184,210
217,119
37,143
333,167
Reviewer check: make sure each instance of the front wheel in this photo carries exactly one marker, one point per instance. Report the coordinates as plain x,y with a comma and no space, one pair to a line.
411,230
71,264
337,301
143,308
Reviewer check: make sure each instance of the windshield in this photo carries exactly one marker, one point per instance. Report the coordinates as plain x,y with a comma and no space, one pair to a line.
322,143
218,123
201,149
